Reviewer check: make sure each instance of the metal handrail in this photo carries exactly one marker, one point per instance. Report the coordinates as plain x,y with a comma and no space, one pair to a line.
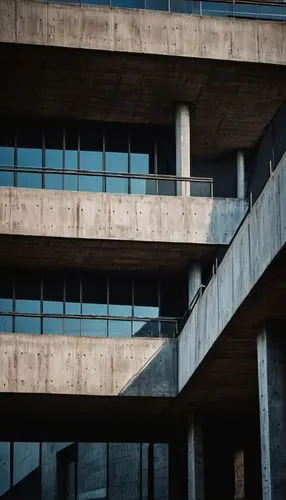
91,316
190,308
104,173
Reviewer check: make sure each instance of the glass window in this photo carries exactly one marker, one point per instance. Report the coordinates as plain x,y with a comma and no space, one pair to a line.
53,326
54,148
167,188
146,297
26,324
6,155
94,295
94,327
120,296
73,285
116,146
166,152
72,326
6,178
5,473
6,295
168,328
173,296
53,294
91,148
70,182
157,4
119,328
145,328
91,183
29,151
6,324
116,185
54,181
136,4
71,149
29,179
28,294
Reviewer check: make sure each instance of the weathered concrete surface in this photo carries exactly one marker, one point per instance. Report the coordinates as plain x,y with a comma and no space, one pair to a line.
142,31
69,214
261,237
159,377
51,364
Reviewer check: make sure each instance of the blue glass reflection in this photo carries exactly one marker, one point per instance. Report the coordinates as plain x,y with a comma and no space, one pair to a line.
139,163
120,310
71,159
6,156
27,306
53,307
157,4
91,160
27,324
53,326
5,467
138,186
29,157
94,309
145,328
28,179
167,188
146,311
94,327
53,181
54,158
118,328
73,308
135,4
6,324
6,178
117,162
70,182
72,326
6,305
90,183
116,185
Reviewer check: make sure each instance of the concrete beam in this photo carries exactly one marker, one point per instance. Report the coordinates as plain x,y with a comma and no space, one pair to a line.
98,216
142,31
271,358
52,364
248,257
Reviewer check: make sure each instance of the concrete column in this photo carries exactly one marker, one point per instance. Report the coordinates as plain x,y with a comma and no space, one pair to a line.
194,280
271,360
240,168
196,487
183,148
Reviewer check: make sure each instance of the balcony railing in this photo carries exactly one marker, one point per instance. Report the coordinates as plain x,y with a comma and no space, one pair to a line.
88,325
274,11
103,181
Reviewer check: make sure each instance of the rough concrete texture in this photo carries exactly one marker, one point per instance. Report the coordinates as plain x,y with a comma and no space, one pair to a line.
70,214
249,255
157,378
142,31
64,365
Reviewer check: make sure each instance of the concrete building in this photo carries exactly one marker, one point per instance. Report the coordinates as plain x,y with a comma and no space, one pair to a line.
142,241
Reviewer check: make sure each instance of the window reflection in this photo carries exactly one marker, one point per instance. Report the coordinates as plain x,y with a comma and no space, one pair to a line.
53,326
28,295
119,328
26,324
53,294
94,327
120,297
91,183
94,295
6,324
6,155
72,326
29,179
73,292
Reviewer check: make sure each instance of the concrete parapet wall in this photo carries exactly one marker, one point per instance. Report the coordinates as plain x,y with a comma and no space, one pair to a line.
51,364
257,243
142,31
68,214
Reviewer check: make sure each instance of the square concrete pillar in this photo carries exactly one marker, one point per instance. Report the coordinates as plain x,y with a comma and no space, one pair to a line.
272,404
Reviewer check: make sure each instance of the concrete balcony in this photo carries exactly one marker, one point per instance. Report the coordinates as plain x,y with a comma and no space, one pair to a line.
79,229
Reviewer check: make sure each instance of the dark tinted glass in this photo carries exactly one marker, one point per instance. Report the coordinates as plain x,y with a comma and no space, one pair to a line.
94,294
120,296
53,294
73,291
146,297
28,294
54,148
29,147
91,147
173,296
71,154
116,146
6,294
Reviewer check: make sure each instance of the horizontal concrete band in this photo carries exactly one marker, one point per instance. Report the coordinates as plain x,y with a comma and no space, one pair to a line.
249,255
69,214
52,364
142,31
